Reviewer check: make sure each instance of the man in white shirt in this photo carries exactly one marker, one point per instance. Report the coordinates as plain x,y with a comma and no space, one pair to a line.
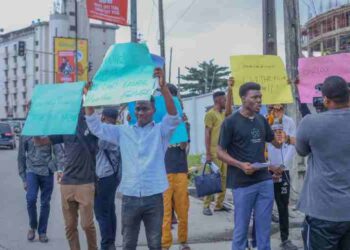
282,157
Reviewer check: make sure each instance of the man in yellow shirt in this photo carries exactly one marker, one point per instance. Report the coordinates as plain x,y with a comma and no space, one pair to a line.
213,120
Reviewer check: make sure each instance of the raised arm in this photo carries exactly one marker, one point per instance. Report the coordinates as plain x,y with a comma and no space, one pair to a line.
302,139
107,132
229,99
169,101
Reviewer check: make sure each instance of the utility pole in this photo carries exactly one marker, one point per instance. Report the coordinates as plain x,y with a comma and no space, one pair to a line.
76,40
133,10
269,28
170,63
161,31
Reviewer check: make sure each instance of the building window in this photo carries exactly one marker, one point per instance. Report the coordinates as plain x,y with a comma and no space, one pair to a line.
36,43
24,95
72,28
24,68
15,72
15,59
24,81
36,82
36,56
72,13
15,109
15,47
15,83
15,97
36,68
6,61
24,108
6,73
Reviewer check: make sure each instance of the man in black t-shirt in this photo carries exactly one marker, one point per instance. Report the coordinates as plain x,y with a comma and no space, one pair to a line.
242,143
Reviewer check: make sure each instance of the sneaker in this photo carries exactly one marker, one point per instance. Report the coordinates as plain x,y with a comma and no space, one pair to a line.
275,218
288,245
222,209
184,246
43,238
207,211
31,235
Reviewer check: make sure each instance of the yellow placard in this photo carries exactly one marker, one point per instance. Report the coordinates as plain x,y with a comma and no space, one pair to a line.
65,65
268,71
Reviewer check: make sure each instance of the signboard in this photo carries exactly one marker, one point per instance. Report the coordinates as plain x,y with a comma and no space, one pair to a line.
112,11
65,60
126,75
54,109
315,70
180,134
266,70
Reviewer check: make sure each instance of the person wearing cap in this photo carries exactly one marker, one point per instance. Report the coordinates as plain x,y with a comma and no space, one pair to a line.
142,146
324,139
108,170
282,157
213,120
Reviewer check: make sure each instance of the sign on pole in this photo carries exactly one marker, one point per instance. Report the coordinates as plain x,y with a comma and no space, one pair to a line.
112,11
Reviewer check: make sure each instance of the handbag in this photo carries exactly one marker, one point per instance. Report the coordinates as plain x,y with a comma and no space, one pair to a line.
208,184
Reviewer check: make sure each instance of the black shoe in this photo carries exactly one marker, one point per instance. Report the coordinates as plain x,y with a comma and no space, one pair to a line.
43,238
288,245
207,211
31,235
222,209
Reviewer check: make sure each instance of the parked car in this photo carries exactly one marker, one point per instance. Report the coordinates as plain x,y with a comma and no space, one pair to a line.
7,137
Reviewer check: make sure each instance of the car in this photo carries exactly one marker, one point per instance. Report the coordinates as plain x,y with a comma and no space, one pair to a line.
7,137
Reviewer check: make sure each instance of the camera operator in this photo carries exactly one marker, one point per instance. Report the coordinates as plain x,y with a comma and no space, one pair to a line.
324,138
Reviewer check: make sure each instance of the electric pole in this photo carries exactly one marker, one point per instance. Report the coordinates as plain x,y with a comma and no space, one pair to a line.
161,31
133,13
269,28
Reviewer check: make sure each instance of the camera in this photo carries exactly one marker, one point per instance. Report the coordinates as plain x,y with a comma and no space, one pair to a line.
317,102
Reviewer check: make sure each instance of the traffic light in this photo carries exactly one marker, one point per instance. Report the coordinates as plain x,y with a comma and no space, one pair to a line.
21,48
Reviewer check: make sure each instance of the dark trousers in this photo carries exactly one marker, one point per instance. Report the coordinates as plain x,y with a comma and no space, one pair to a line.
45,184
325,235
282,193
105,210
147,209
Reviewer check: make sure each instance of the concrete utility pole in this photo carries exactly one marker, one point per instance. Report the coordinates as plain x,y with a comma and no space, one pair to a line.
133,14
161,30
269,28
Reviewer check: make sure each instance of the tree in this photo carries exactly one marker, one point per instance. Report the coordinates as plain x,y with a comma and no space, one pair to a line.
204,78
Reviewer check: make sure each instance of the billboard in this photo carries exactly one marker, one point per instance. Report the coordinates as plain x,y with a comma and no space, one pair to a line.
112,11
64,49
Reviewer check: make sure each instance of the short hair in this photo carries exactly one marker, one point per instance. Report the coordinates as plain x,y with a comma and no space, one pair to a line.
172,88
336,89
244,89
218,94
110,112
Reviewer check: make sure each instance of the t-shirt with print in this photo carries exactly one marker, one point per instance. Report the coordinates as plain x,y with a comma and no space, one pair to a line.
244,139
213,120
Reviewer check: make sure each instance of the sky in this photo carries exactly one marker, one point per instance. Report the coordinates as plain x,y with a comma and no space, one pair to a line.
197,30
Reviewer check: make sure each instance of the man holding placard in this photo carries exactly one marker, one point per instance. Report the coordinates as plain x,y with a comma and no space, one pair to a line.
242,146
144,179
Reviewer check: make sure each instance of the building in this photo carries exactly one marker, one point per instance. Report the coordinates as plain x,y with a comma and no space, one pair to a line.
328,32
20,74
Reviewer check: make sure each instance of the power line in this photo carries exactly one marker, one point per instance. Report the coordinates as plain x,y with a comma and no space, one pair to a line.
183,14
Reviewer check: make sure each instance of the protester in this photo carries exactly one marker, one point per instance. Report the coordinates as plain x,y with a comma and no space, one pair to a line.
213,120
37,162
108,169
78,183
242,143
282,157
176,196
144,179
324,199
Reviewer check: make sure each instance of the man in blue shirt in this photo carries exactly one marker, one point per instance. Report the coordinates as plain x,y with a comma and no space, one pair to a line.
144,179
108,168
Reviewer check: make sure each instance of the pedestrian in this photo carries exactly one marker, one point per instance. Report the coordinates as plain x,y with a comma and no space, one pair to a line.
78,183
144,179
242,143
37,162
324,139
176,196
108,170
213,120
283,157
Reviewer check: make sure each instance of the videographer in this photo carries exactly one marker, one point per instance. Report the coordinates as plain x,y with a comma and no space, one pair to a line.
324,138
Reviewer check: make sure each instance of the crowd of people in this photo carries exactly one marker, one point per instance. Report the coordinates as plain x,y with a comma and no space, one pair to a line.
254,154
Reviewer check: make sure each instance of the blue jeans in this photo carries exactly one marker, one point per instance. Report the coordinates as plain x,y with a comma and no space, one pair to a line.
260,198
147,209
105,209
45,184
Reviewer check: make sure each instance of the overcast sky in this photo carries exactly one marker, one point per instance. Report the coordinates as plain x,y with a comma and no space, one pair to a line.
196,29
